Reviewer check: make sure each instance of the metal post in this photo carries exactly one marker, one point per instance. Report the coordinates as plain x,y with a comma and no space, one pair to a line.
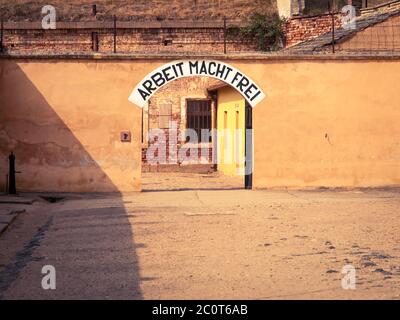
333,32
1,35
95,41
12,189
248,142
224,35
115,34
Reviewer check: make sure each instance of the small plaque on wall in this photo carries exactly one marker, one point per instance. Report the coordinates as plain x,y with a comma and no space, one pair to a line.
126,136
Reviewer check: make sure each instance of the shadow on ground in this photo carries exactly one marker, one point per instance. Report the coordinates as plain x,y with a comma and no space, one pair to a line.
91,248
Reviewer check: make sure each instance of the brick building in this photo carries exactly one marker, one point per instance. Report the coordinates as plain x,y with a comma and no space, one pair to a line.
187,104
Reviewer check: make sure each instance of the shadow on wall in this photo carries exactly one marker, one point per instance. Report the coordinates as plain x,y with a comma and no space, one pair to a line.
48,154
99,242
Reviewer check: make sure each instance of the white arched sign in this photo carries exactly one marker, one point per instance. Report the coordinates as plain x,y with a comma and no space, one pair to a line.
188,68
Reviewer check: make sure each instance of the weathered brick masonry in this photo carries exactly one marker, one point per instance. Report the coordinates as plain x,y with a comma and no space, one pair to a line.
299,29
134,34
70,37
176,94
141,37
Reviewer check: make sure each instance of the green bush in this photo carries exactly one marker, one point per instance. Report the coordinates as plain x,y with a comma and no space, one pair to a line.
266,30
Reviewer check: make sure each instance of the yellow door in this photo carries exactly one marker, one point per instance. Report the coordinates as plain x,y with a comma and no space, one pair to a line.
231,131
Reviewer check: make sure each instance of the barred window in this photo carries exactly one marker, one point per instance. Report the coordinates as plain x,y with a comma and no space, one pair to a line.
199,115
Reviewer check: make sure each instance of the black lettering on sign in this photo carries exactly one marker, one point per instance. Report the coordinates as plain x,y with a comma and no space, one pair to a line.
193,66
256,95
249,91
244,82
179,65
212,68
203,68
220,70
228,71
148,85
158,79
176,70
237,76
166,72
143,94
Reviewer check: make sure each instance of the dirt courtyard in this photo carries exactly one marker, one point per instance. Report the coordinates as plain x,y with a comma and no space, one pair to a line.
206,244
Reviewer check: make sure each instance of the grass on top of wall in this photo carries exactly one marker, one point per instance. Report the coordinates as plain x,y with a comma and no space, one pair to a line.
137,10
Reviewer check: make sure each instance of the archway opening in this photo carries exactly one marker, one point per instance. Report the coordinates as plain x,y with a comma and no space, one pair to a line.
196,135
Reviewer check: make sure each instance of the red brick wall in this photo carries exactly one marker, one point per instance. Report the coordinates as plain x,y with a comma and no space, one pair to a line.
129,40
305,28
175,94
151,37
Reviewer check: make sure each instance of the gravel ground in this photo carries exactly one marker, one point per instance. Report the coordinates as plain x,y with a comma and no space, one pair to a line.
206,244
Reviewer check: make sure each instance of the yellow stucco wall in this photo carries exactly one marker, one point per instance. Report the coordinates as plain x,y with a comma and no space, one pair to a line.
327,123
230,141
63,121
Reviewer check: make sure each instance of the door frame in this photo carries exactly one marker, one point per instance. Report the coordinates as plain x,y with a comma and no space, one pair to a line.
248,136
